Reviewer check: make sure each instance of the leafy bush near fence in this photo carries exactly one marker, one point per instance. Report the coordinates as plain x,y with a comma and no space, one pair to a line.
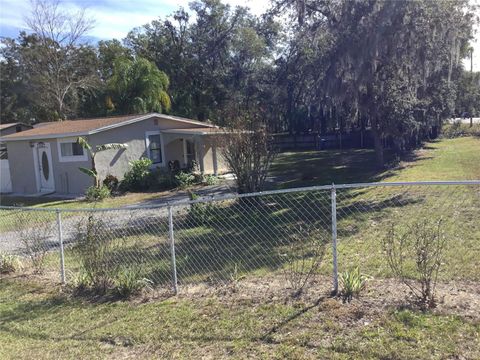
95,193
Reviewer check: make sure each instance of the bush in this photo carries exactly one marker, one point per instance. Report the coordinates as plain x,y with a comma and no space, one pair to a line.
137,178
184,179
415,256
304,256
93,248
210,180
111,182
161,180
129,282
9,263
94,193
200,213
352,282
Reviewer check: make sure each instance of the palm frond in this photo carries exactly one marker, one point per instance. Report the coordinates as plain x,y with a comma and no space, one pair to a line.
112,146
89,172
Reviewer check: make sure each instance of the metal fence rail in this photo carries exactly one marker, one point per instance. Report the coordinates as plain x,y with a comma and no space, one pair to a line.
286,233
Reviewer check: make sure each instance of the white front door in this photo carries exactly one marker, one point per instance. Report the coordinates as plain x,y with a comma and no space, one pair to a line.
44,162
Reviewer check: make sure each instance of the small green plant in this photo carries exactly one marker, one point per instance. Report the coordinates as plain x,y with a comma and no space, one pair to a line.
82,281
94,193
200,212
137,178
129,282
210,180
9,263
235,278
353,282
184,179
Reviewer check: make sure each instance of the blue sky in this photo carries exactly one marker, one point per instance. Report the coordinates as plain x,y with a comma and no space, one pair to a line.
114,18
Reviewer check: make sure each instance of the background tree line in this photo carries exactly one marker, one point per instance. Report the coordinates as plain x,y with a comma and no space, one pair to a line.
393,67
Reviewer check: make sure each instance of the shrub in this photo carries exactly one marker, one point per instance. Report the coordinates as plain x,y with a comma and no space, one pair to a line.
9,263
184,179
137,178
161,179
94,193
111,182
93,248
210,180
423,244
129,281
34,236
303,258
200,213
352,282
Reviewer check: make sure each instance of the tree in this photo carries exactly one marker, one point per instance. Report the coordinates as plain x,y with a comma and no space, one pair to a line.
247,150
137,86
58,62
92,172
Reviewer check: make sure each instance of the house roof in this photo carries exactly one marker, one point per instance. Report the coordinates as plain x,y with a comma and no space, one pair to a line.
9,125
195,131
82,127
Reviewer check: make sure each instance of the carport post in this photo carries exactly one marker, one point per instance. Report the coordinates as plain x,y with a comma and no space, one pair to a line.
60,240
334,240
172,249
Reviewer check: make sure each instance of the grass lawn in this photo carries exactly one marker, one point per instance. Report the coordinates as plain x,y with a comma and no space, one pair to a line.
446,159
46,324
38,317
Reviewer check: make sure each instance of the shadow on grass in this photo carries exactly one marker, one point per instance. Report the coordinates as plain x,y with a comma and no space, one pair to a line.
213,242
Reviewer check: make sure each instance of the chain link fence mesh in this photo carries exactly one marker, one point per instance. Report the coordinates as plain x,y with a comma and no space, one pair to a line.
284,233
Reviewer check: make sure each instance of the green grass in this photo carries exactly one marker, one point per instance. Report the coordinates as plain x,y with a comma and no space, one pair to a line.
44,322
446,159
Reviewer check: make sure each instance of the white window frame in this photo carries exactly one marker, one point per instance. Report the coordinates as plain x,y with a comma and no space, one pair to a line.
162,148
72,158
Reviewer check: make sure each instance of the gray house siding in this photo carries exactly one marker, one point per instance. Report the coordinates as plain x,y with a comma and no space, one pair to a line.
70,180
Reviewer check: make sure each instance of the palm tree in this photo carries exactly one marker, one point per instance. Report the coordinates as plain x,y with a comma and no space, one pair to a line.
137,86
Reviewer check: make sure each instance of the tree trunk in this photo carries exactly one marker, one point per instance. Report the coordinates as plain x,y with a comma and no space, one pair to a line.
377,140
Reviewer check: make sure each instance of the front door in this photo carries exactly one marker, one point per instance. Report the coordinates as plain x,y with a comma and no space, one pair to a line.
189,152
44,157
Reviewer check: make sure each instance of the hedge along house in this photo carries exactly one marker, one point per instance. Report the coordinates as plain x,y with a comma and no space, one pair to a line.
46,159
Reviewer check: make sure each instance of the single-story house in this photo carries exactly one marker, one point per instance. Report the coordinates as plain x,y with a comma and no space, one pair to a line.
7,129
46,159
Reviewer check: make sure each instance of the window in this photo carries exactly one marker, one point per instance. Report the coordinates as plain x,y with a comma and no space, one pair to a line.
154,147
69,150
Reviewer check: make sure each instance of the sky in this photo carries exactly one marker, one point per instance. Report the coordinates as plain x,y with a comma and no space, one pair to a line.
115,18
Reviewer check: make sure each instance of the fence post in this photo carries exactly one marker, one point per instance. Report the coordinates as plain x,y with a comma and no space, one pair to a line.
60,240
172,249
334,239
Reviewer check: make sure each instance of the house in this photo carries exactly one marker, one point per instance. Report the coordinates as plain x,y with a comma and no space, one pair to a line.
46,159
7,129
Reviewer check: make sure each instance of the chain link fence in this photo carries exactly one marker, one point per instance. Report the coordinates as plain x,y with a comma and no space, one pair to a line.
290,234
